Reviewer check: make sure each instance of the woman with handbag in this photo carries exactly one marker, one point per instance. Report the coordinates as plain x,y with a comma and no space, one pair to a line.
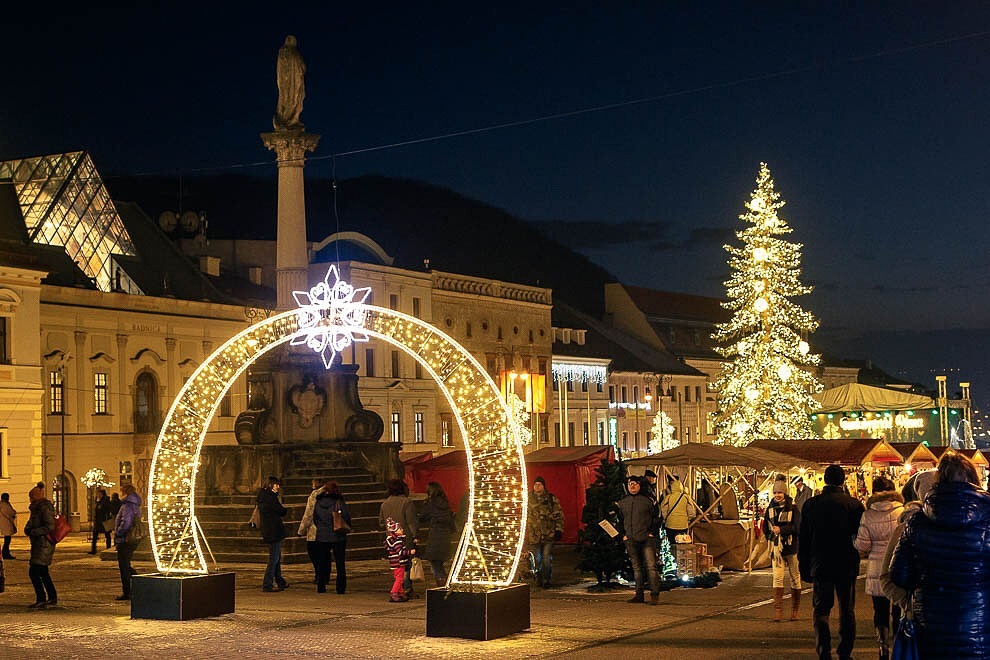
332,521
439,518
38,527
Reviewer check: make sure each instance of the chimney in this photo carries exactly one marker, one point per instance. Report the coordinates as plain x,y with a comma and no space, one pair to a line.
254,275
210,265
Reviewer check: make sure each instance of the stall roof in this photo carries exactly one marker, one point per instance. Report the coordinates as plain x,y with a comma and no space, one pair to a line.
699,454
859,397
974,455
570,454
914,452
850,452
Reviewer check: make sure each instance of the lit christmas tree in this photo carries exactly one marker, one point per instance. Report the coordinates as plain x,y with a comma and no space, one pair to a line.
662,434
766,386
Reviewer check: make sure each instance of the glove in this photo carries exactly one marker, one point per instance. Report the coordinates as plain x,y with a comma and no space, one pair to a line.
558,535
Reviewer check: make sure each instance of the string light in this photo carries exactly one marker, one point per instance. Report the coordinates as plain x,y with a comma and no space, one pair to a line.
333,314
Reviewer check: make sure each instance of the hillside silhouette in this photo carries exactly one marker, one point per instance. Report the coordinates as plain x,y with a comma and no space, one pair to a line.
412,220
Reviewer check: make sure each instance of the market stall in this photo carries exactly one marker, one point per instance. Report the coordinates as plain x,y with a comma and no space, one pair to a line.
734,543
862,457
568,472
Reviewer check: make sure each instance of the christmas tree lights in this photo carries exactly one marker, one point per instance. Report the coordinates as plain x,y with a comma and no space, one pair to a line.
332,315
662,434
767,383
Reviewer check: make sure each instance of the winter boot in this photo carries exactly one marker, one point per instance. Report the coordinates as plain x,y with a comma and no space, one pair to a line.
795,603
778,603
882,641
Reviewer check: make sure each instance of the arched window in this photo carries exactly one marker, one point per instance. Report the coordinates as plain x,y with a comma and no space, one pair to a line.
146,415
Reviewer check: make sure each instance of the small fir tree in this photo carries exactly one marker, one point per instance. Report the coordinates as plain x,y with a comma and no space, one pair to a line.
662,434
600,553
766,386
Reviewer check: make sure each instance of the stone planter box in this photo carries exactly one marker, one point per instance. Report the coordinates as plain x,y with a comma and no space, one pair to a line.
181,597
479,615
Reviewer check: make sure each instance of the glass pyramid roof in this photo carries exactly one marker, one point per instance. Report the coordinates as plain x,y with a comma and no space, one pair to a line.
64,203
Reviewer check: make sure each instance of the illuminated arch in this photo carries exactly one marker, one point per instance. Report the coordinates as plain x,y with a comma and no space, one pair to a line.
489,549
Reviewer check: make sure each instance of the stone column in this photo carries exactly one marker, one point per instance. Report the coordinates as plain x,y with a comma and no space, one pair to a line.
291,257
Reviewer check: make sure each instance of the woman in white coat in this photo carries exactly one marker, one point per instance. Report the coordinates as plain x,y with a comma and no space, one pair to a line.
883,510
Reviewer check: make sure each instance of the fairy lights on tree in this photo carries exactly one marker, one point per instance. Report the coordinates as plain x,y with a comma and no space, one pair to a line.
662,434
766,384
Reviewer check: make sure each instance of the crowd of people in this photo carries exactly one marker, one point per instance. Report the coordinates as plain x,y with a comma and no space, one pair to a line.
927,549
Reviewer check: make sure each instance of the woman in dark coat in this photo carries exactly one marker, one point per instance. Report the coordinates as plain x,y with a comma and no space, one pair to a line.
439,518
271,512
943,556
328,541
39,525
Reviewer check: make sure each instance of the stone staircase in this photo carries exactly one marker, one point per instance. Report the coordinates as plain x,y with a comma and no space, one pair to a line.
224,518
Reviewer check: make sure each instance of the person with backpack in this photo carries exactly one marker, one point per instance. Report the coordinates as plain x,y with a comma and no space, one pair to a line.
128,532
38,527
438,517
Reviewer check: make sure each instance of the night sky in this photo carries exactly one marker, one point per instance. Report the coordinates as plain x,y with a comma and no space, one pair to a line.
871,115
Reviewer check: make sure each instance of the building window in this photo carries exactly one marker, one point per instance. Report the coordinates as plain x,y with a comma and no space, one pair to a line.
4,340
145,403
225,405
100,393
625,441
420,427
570,434
419,371
601,433
697,392
4,468
556,430
611,393
556,384
636,439
625,398
56,392
369,362
499,337
584,385
393,302
587,439
570,385
636,394
599,386
467,329
687,393
396,427
417,307
395,364
446,425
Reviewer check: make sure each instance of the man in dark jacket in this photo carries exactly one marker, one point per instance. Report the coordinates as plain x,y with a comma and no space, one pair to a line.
271,512
639,523
828,559
101,514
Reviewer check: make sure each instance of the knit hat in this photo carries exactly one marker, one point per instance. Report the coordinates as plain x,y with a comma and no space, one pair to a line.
650,473
36,493
780,486
540,480
391,526
834,475
923,483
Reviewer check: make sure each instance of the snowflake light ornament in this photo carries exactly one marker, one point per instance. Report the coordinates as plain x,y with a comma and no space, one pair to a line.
330,316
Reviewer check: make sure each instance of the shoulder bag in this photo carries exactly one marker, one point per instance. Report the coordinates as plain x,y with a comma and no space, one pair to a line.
905,641
340,525
61,530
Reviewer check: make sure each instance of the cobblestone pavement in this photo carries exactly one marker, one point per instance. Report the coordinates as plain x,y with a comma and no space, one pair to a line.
728,621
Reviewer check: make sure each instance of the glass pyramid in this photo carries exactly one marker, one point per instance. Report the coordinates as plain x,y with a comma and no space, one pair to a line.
64,203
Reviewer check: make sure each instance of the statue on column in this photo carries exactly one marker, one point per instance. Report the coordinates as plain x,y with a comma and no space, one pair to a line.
289,72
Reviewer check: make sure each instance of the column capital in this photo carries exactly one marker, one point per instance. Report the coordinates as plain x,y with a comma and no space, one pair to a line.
290,146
